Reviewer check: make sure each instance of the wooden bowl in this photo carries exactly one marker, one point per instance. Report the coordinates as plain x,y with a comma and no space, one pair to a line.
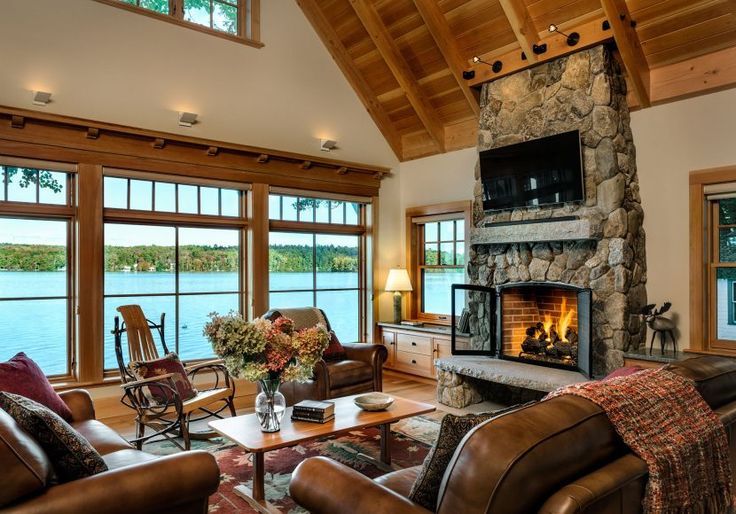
374,401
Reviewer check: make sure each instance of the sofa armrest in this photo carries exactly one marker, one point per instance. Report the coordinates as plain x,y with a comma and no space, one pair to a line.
373,354
624,477
80,403
148,487
324,486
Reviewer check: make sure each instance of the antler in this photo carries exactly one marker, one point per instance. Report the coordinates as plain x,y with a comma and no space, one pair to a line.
665,307
648,308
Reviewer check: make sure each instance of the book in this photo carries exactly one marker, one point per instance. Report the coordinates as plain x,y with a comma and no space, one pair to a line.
409,323
321,407
295,417
311,415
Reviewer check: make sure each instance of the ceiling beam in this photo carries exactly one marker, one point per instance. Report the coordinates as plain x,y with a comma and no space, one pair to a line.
390,53
445,41
340,54
629,46
521,23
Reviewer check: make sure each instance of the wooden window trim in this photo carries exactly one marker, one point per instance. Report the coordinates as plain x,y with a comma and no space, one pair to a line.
249,32
462,209
703,253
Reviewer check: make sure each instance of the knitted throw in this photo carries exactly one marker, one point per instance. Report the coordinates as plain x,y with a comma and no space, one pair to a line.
664,420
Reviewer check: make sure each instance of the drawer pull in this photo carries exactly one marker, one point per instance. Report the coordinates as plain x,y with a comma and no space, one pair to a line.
413,343
413,361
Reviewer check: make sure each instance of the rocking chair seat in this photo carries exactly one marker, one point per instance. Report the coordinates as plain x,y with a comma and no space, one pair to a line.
202,399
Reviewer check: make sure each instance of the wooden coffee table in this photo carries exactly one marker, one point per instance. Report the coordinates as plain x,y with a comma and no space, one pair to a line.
246,432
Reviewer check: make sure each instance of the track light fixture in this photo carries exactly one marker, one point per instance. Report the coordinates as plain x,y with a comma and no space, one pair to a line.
496,66
41,98
187,119
572,39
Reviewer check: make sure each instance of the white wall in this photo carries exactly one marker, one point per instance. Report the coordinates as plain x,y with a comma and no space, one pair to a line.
671,140
110,65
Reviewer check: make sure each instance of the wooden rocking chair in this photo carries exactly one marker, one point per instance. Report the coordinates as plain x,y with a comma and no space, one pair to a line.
171,417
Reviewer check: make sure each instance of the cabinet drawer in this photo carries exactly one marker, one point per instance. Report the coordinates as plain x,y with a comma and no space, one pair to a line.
414,344
443,350
414,363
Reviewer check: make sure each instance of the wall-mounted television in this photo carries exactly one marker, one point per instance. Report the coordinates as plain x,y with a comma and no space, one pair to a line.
542,171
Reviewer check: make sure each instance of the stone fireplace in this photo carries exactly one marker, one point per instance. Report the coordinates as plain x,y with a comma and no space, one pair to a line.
596,245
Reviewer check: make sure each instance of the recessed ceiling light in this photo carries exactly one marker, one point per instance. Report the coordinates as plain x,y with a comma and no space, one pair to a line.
187,119
41,98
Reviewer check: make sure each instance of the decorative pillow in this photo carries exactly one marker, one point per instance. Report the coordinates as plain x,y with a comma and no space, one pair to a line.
334,351
163,366
20,375
452,430
69,452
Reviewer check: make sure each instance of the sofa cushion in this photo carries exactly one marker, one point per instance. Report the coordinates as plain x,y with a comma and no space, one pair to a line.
26,469
170,363
104,439
347,372
400,481
129,457
69,452
20,375
335,351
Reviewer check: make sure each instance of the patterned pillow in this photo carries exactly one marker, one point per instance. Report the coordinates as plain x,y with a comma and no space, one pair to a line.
335,351
69,452
165,365
426,488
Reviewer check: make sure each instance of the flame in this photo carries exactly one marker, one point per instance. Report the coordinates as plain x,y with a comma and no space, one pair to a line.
564,321
547,323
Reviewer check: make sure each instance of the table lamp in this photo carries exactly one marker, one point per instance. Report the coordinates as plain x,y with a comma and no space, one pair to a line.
398,282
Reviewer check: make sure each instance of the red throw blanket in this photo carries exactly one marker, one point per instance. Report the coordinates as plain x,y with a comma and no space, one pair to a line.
664,420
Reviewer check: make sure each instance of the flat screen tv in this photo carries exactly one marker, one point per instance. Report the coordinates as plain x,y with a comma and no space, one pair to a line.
537,172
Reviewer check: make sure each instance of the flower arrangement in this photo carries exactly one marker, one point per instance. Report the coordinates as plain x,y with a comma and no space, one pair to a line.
266,350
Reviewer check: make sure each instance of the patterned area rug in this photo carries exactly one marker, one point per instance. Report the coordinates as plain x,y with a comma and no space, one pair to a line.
411,441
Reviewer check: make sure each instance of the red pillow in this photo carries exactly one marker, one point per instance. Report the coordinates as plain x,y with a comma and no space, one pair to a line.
623,372
20,375
167,364
334,351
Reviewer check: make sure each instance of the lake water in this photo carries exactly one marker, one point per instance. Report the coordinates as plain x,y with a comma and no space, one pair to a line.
39,327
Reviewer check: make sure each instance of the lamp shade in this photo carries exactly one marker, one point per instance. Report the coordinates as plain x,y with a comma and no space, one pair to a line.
398,280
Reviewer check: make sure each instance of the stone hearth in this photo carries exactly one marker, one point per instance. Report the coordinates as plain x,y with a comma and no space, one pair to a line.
602,248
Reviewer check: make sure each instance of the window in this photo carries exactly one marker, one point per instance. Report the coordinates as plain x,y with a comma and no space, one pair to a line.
313,267
36,260
237,20
183,261
436,257
723,267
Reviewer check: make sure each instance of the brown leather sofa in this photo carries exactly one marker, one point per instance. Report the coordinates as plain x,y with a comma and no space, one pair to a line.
560,456
136,482
361,371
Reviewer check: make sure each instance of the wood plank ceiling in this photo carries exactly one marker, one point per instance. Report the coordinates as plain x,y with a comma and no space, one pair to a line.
406,58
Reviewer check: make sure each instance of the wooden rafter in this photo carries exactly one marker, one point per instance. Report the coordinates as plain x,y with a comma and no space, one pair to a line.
630,48
390,53
443,37
331,40
521,23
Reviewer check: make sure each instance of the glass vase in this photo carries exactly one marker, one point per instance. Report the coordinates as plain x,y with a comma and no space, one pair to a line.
270,405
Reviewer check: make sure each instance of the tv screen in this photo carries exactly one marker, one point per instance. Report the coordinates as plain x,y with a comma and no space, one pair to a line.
537,172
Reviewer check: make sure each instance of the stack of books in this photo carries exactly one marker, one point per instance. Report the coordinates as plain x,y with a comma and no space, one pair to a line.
313,411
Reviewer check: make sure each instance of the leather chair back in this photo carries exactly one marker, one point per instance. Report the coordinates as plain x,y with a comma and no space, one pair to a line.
715,378
303,317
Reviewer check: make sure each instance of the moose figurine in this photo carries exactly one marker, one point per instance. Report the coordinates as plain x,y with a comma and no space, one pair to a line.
659,325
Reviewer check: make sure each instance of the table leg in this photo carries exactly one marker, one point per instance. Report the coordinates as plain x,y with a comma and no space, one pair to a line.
385,443
256,496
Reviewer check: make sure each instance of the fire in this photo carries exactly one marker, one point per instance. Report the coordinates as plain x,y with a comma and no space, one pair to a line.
562,323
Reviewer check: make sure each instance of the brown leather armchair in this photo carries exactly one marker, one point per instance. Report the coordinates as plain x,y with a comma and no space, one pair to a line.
361,371
136,481
560,456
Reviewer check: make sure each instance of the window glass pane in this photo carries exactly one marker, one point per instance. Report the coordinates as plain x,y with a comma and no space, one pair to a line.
290,261
38,328
289,300
197,12
230,202
141,195
152,307
116,193
208,260
187,199
193,314
209,200
161,6
225,18
305,206
351,213
341,309
338,212
21,184
446,254
460,253
725,278
459,230
165,197
727,211
274,207
436,290
447,230
139,259
2,183
431,231
430,254
33,259
727,244
53,188
323,211
288,208
337,261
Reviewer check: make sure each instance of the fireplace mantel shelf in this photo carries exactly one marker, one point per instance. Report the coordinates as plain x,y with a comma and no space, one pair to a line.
536,232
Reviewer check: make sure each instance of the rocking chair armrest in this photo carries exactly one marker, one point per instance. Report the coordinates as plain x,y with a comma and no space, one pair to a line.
194,367
215,367
146,381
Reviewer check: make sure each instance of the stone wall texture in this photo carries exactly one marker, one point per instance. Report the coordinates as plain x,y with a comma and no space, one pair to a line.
584,91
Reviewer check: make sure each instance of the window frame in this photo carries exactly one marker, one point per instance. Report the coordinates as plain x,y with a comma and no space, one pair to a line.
249,12
52,212
415,253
